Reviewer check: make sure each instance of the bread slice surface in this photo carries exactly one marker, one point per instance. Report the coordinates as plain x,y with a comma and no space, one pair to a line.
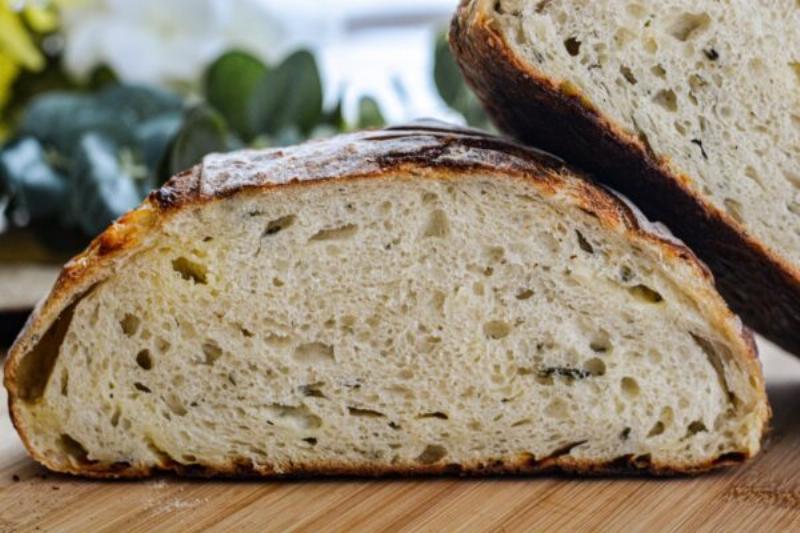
692,109
412,300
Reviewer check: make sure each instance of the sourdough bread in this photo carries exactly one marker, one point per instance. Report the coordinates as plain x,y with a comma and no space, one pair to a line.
691,108
412,300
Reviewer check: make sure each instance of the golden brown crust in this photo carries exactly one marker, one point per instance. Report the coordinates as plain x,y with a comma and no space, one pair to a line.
430,150
759,284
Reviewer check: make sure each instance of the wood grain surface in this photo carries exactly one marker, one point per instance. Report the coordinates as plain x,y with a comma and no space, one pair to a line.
763,495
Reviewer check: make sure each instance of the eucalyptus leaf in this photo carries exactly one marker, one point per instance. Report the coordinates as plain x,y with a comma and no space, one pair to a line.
138,102
446,73
453,89
59,119
229,85
153,137
101,191
32,183
289,95
369,113
203,131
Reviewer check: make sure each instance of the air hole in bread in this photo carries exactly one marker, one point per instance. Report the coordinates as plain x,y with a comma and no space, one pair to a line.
573,46
35,368
278,225
734,209
73,449
175,405
64,382
656,430
583,243
130,324
792,177
340,233
211,352
144,360
432,453
695,427
496,329
313,353
600,342
595,366
627,73
115,417
658,71
630,387
190,270
557,408
142,387
368,413
437,226
523,294
313,390
646,294
650,45
429,197
436,414
689,25
667,99
523,422
292,417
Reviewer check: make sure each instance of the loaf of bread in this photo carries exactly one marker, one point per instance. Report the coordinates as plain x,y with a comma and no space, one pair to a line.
689,107
412,300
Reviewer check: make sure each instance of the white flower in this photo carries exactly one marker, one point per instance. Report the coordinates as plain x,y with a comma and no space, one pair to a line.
162,42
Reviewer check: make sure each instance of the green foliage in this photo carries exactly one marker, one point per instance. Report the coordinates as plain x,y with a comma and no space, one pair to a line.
203,131
289,96
452,87
81,158
230,84
101,189
369,114
28,176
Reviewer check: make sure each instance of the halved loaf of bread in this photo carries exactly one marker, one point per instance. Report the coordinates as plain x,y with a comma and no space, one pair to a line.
689,107
411,300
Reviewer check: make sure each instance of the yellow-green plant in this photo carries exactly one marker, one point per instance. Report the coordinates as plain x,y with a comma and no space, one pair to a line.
20,27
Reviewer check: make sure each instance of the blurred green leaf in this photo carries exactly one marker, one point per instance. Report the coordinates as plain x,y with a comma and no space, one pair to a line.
369,114
58,120
203,131
134,103
101,191
334,117
229,85
153,137
289,95
453,89
101,77
32,184
446,73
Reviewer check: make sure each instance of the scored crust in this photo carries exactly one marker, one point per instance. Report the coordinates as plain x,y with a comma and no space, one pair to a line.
758,284
430,149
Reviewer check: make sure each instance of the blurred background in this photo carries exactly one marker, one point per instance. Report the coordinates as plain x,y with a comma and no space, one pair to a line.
102,100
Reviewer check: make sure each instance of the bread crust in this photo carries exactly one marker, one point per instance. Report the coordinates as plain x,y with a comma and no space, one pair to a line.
431,150
758,284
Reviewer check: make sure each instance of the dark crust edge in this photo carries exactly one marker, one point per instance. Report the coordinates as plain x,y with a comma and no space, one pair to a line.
500,159
524,464
757,283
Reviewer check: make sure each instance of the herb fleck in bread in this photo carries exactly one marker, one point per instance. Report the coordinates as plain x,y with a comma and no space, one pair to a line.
412,300
691,108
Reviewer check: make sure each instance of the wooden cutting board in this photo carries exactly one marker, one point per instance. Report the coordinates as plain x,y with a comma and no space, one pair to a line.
763,495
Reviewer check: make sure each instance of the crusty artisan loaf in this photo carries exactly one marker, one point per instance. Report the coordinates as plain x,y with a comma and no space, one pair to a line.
689,107
412,300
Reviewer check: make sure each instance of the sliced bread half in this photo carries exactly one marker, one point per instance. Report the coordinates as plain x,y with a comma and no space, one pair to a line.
689,107
412,300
